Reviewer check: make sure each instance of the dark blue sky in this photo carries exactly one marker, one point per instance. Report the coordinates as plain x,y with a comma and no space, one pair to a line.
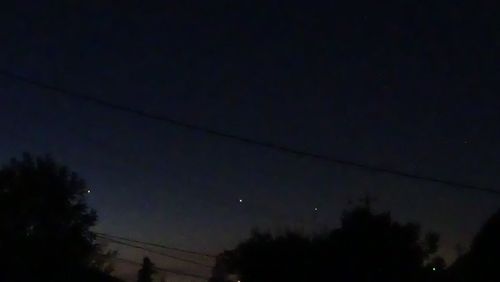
412,87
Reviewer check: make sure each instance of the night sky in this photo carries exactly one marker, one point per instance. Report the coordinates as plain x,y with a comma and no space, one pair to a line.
410,86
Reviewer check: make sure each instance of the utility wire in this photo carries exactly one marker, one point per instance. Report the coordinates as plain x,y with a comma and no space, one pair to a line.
168,270
155,252
241,139
154,245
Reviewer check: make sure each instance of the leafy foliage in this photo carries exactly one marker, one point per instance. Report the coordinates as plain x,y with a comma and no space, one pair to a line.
367,247
482,261
44,222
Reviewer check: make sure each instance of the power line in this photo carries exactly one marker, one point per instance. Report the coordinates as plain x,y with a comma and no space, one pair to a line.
154,245
241,139
168,270
155,252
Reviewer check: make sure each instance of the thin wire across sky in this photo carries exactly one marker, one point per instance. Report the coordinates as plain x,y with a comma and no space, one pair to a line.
243,139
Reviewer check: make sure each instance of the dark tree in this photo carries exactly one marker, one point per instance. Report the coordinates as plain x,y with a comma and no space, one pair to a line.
482,262
146,272
373,247
44,222
367,247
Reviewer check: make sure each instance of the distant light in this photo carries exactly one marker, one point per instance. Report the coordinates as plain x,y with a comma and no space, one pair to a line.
88,191
241,201
433,269
315,209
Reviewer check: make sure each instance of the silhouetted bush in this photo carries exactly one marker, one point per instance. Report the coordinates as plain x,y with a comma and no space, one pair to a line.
44,223
367,247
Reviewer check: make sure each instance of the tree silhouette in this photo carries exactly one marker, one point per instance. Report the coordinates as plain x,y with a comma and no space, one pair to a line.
372,247
44,222
146,272
482,261
367,247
